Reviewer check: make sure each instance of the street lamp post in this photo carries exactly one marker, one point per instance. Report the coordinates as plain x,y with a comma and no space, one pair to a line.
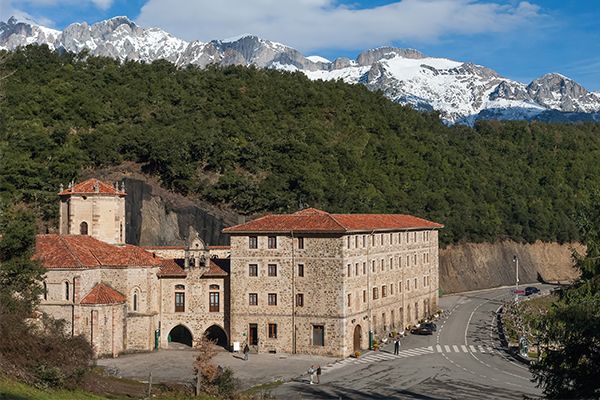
516,261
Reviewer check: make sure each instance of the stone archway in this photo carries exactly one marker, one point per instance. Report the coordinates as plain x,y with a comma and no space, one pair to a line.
357,337
218,335
181,334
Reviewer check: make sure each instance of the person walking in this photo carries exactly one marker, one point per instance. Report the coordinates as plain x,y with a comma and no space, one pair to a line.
318,373
246,351
397,345
311,374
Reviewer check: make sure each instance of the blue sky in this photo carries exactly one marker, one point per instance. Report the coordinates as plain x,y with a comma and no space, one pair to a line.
520,39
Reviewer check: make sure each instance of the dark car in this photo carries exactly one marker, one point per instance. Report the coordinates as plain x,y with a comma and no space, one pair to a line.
529,290
424,329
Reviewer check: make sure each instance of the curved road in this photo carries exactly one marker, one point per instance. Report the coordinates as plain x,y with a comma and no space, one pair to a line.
463,360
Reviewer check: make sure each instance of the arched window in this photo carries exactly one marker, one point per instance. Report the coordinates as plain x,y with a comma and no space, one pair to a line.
83,228
67,291
179,287
214,287
135,301
45,288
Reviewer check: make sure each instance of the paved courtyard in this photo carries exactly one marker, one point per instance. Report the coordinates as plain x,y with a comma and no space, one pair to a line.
176,366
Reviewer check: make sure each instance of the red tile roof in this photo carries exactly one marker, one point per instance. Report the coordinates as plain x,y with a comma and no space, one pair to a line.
103,294
80,252
217,267
314,220
170,269
219,247
90,186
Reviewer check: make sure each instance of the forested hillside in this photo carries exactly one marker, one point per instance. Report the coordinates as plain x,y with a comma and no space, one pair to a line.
257,141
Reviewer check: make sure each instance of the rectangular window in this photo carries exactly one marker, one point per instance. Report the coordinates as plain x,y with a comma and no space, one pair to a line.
356,241
424,281
213,305
301,243
364,268
364,240
384,321
356,269
373,266
399,238
408,285
408,261
272,269
375,293
382,265
348,272
318,335
348,242
381,238
300,270
349,299
391,263
272,242
391,289
253,334
384,291
253,242
179,302
253,299
253,270
272,331
364,296
299,300
372,240
375,323
415,283
400,287
391,238
272,299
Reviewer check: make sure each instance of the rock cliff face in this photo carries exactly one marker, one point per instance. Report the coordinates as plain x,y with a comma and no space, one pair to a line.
157,217
472,266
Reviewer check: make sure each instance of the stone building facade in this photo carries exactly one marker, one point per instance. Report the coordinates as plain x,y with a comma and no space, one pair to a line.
314,282
125,298
309,282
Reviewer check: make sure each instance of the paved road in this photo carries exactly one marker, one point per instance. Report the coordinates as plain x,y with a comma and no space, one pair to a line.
463,360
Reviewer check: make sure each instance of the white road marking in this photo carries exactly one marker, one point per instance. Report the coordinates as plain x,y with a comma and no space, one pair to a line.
464,348
447,348
455,348
438,348
472,348
481,349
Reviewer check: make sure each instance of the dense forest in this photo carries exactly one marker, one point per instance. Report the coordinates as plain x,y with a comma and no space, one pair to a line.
269,141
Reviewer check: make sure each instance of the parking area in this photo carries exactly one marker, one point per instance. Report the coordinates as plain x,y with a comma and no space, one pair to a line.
176,366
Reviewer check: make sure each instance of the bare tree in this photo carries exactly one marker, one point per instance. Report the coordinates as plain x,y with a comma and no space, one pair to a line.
205,370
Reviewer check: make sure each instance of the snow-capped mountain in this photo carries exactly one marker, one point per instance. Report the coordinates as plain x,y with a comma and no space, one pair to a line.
461,92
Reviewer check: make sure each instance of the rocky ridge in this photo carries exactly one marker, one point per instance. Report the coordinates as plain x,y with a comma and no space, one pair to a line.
461,92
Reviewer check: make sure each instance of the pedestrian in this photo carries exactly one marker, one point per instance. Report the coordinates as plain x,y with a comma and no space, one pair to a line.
311,374
318,373
246,351
397,345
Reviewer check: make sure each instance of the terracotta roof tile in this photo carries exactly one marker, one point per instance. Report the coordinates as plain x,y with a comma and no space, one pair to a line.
314,220
217,267
90,186
103,294
170,269
80,251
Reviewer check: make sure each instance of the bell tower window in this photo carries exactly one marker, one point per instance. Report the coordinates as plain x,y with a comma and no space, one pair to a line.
83,228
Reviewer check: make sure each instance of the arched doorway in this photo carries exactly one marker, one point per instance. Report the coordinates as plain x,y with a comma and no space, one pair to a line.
181,334
357,337
217,334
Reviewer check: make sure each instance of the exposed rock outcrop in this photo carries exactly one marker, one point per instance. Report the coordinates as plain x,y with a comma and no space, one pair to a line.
472,266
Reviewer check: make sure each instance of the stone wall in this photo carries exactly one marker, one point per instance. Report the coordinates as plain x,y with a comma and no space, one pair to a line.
103,214
197,317
335,267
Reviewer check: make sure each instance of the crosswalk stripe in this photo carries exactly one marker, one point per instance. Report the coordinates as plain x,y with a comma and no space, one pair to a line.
481,349
464,348
455,348
447,348
472,348
438,348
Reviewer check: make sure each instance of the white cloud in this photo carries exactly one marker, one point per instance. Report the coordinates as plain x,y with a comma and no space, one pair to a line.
319,24
9,8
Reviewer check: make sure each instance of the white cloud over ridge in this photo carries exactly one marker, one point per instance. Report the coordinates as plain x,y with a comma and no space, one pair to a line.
10,8
318,24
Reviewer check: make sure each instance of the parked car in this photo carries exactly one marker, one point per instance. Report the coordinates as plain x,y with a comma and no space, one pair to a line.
424,329
529,290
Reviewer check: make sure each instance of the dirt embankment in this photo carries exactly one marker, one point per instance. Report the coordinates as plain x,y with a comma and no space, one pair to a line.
472,266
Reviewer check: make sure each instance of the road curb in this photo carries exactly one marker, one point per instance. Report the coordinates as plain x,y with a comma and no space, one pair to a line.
514,354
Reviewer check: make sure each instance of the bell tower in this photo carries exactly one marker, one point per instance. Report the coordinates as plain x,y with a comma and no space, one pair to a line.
93,208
